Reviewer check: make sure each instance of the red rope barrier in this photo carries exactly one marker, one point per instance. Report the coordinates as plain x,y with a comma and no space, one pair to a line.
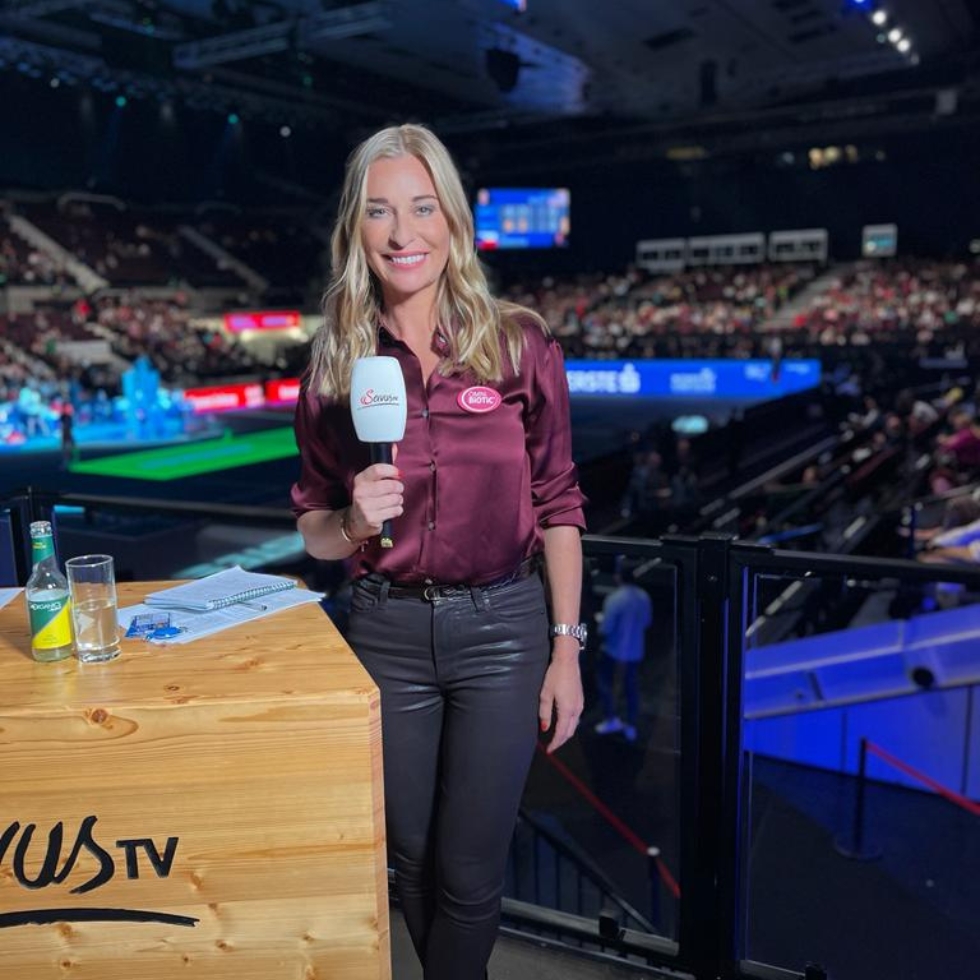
948,794
630,836
667,878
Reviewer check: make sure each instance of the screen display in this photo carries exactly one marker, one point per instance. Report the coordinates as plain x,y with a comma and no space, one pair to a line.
522,217
878,241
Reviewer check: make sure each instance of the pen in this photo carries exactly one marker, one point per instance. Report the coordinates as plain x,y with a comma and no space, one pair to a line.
255,605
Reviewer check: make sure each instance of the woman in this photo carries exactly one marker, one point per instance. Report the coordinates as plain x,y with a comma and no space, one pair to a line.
451,622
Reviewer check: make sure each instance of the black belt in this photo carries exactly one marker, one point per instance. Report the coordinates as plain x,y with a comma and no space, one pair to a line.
430,591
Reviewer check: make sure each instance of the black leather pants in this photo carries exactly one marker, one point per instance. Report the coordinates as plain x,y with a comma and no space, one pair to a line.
459,680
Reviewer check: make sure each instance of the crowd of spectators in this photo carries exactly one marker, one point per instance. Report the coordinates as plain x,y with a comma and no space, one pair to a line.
283,250
702,312
39,372
930,309
914,297
161,330
127,247
23,265
867,318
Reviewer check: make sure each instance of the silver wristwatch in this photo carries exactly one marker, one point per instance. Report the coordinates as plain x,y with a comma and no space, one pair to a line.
579,630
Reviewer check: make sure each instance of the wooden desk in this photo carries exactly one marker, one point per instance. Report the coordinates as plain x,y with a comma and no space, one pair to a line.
220,805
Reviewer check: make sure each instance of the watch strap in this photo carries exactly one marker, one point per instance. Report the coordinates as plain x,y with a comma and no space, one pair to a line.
579,630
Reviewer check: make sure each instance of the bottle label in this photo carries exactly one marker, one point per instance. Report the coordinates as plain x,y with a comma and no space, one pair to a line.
42,547
50,625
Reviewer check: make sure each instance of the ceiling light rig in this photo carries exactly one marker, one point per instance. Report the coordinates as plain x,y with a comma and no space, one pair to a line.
46,63
890,32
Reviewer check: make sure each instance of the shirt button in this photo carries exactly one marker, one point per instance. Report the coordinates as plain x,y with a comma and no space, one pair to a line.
432,467
428,581
432,525
425,413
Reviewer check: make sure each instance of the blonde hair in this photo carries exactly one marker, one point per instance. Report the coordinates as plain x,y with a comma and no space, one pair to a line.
472,321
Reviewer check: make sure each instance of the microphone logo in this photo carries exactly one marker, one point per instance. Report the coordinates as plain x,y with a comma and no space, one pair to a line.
371,398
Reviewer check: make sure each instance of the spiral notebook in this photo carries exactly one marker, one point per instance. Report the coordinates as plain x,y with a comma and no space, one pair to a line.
225,588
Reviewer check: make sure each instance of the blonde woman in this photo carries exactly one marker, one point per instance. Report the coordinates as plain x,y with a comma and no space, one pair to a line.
469,624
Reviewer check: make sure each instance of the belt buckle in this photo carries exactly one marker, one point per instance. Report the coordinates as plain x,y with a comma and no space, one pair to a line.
430,593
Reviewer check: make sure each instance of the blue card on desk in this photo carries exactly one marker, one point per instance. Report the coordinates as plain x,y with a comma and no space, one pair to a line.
142,625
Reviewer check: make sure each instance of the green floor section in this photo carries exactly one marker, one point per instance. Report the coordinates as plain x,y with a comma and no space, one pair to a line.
192,459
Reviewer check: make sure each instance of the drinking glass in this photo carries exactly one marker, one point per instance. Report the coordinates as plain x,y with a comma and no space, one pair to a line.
92,584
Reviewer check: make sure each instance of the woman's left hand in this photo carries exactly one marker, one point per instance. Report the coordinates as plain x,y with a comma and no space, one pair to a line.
561,694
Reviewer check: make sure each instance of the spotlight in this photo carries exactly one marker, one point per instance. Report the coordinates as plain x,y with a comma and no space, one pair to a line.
55,82
894,35
285,132
904,45
879,18
121,101
233,118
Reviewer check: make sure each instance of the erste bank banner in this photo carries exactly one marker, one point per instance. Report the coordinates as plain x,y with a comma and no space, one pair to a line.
629,379
760,379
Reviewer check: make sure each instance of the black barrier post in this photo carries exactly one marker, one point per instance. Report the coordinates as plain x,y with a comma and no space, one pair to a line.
855,848
910,522
20,542
858,829
706,933
653,869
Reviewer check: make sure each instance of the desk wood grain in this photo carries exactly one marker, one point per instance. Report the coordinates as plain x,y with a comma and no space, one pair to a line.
233,784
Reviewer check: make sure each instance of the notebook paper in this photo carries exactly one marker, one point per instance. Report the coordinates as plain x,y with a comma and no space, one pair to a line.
224,588
192,626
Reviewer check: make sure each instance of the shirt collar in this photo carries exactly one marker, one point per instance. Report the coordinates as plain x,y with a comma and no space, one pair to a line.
440,342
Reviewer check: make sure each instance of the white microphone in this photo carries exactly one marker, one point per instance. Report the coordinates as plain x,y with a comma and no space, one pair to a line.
379,408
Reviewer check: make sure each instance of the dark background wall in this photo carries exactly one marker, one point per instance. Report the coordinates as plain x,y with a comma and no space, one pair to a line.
156,153
927,184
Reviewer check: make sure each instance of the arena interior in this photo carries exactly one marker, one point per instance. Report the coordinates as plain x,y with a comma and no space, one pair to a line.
755,229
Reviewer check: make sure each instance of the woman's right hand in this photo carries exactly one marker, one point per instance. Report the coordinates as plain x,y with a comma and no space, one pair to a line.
378,497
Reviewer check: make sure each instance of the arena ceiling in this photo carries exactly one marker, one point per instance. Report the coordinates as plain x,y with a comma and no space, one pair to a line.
642,76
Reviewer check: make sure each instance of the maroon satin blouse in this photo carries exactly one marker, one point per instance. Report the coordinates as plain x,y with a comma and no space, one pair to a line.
479,485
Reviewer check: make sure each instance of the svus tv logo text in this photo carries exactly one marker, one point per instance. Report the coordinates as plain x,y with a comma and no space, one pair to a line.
50,861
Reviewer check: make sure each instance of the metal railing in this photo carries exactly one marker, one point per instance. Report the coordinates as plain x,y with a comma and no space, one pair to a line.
712,598
550,870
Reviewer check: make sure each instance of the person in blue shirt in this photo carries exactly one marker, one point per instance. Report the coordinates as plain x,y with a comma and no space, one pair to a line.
626,616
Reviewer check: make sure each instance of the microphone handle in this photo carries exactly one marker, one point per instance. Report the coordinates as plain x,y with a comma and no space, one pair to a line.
381,453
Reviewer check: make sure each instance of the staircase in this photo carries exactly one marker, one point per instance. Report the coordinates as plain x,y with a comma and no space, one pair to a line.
783,318
87,278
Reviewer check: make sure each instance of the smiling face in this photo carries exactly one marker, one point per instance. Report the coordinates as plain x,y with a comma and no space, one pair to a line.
404,231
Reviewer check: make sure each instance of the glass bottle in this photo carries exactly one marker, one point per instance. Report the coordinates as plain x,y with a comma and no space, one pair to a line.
48,605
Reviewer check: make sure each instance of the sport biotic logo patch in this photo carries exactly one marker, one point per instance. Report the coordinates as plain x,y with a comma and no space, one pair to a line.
479,399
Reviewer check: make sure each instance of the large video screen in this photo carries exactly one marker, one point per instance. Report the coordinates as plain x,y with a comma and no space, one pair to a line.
522,217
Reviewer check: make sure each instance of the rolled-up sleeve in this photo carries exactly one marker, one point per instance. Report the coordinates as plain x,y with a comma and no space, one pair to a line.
555,492
322,483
